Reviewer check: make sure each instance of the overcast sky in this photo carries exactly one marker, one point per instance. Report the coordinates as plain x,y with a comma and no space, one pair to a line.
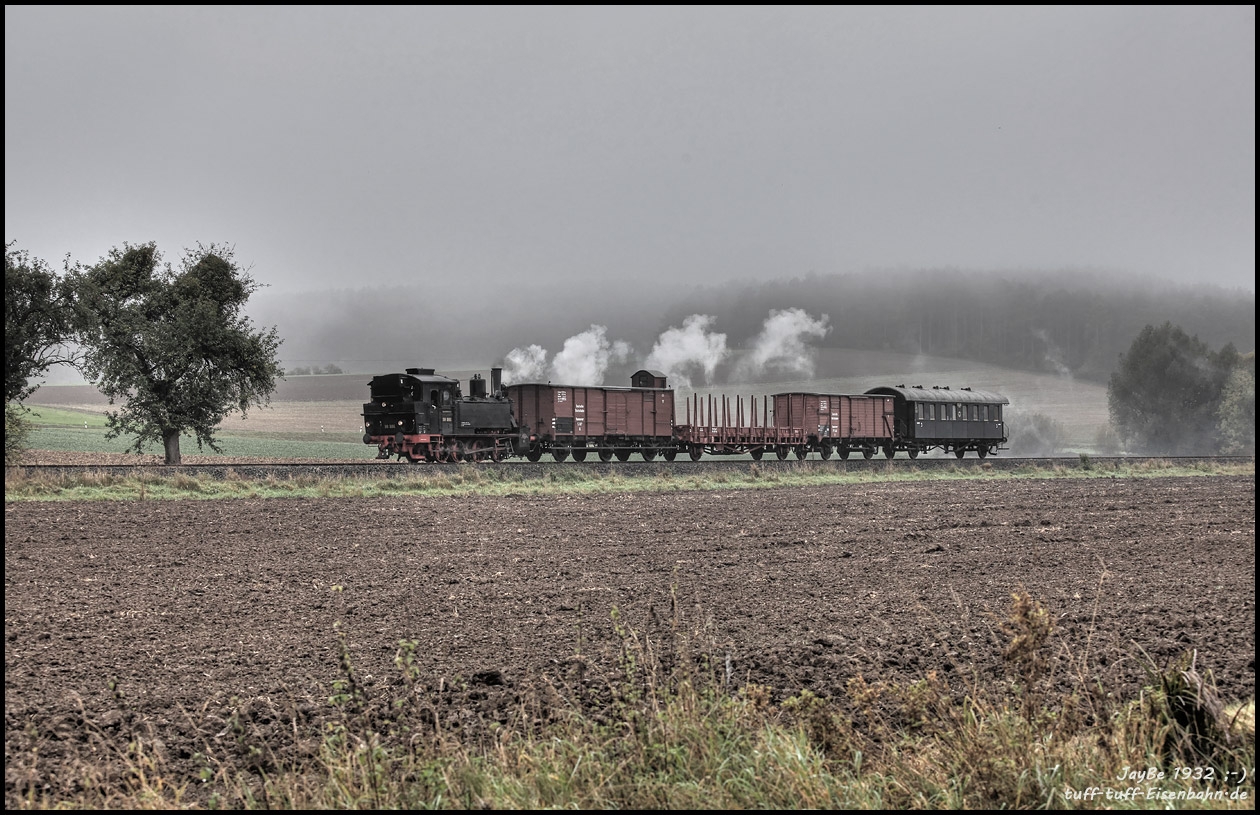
345,147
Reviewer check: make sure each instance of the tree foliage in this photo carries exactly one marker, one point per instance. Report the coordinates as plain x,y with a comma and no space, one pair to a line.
17,432
1165,393
37,322
1237,410
173,346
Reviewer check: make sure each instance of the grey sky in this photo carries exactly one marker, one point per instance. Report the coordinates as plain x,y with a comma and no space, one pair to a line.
339,146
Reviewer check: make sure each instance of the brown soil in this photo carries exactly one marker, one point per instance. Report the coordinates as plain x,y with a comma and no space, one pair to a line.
199,609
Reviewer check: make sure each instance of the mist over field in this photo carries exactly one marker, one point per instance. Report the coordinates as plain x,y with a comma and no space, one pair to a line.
1074,325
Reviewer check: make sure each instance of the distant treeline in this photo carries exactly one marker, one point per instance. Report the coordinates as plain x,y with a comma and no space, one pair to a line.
1050,323
1036,321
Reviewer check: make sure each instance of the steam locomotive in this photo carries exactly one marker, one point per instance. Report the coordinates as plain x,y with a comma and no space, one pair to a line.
423,417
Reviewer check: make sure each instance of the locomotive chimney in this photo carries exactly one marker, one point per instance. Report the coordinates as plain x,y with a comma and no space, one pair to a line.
496,381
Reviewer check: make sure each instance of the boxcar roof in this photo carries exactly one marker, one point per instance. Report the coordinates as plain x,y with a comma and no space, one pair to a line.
918,393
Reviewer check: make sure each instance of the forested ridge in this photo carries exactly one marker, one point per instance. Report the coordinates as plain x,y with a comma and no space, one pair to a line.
1062,323
1067,324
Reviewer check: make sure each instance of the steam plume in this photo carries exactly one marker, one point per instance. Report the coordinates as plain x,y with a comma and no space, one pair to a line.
583,360
780,347
585,357
525,365
680,352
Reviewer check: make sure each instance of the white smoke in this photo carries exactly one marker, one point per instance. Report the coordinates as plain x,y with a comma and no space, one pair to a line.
583,360
525,365
780,347
680,352
585,357
1053,355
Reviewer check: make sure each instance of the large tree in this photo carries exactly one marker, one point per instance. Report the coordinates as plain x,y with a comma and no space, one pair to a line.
173,345
37,320
1164,395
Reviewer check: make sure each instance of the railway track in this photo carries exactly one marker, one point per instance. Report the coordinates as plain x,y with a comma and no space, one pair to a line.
526,469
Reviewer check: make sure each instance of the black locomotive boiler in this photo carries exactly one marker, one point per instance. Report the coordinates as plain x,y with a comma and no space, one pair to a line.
423,417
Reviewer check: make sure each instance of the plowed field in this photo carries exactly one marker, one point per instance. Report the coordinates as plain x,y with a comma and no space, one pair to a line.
171,615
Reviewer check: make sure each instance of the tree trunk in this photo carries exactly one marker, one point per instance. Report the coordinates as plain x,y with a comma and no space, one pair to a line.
170,441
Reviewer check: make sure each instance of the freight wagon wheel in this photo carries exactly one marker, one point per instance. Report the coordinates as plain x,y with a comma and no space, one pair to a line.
913,452
781,452
802,452
843,452
623,454
959,452
868,453
670,453
889,452
605,455
649,453
579,456
534,453
757,453
982,451
825,452
559,455
695,452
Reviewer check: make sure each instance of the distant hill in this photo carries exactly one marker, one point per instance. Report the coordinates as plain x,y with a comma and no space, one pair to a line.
1075,324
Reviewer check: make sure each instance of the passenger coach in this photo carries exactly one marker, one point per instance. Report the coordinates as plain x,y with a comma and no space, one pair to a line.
953,420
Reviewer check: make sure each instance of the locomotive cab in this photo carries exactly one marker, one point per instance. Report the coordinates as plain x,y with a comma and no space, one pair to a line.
421,416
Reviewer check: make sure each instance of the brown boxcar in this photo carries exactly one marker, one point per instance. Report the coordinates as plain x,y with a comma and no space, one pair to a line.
839,423
577,420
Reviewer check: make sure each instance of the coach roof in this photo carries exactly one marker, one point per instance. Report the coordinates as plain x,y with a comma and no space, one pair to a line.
937,393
